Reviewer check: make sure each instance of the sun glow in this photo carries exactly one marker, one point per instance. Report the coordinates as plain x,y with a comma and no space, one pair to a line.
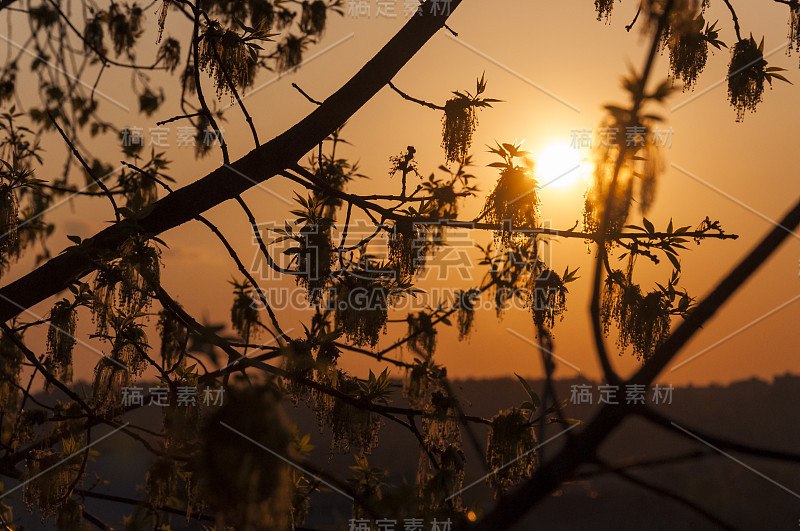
559,165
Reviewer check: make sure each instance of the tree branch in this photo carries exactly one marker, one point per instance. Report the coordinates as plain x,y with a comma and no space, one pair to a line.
226,183
665,493
583,446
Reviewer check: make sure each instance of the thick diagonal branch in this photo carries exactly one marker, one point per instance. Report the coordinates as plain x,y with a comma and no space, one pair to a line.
226,183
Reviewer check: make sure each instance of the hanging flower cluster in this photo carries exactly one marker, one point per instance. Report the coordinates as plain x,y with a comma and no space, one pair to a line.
688,49
361,307
514,200
104,295
47,477
513,269
302,490
421,334
10,363
61,340
459,123
313,247
229,12
437,487
244,312
423,378
746,76
149,102
262,14
161,481
626,170
460,120
169,54
244,486
681,11
446,192
549,299
643,320
162,18
408,246
93,35
316,258
74,425
596,200
297,361
9,219
313,16
466,302
141,272
283,17
31,423
604,9
125,283
110,376
353,426
440,426
227,56
334,172
502,294
180,421
510,446
289,53
8,83
129,343
124,26
174,338
205,136
794,28
326,374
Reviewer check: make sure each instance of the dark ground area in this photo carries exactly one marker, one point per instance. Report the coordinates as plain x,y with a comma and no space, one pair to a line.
752,412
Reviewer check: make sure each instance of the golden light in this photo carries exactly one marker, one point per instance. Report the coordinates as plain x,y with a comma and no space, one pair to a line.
559,165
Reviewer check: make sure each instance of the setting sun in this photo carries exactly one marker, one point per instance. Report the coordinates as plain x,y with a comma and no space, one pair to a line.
394,269
558,165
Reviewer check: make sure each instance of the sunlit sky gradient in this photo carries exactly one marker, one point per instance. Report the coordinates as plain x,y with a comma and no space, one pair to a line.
554,65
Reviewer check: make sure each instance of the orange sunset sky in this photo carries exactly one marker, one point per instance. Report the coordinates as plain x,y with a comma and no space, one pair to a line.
554,65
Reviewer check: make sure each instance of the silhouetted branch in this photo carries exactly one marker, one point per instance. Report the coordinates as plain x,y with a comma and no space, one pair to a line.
231,252
666,493
646,463
309,98
226,183
629,27
181,117
735,19
415,100
103,57
594,307
141,503
583,446
89,517
86,167
244,362
667,423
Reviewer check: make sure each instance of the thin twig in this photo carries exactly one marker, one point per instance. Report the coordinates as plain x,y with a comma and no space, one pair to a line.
415,100
86,167
309,98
